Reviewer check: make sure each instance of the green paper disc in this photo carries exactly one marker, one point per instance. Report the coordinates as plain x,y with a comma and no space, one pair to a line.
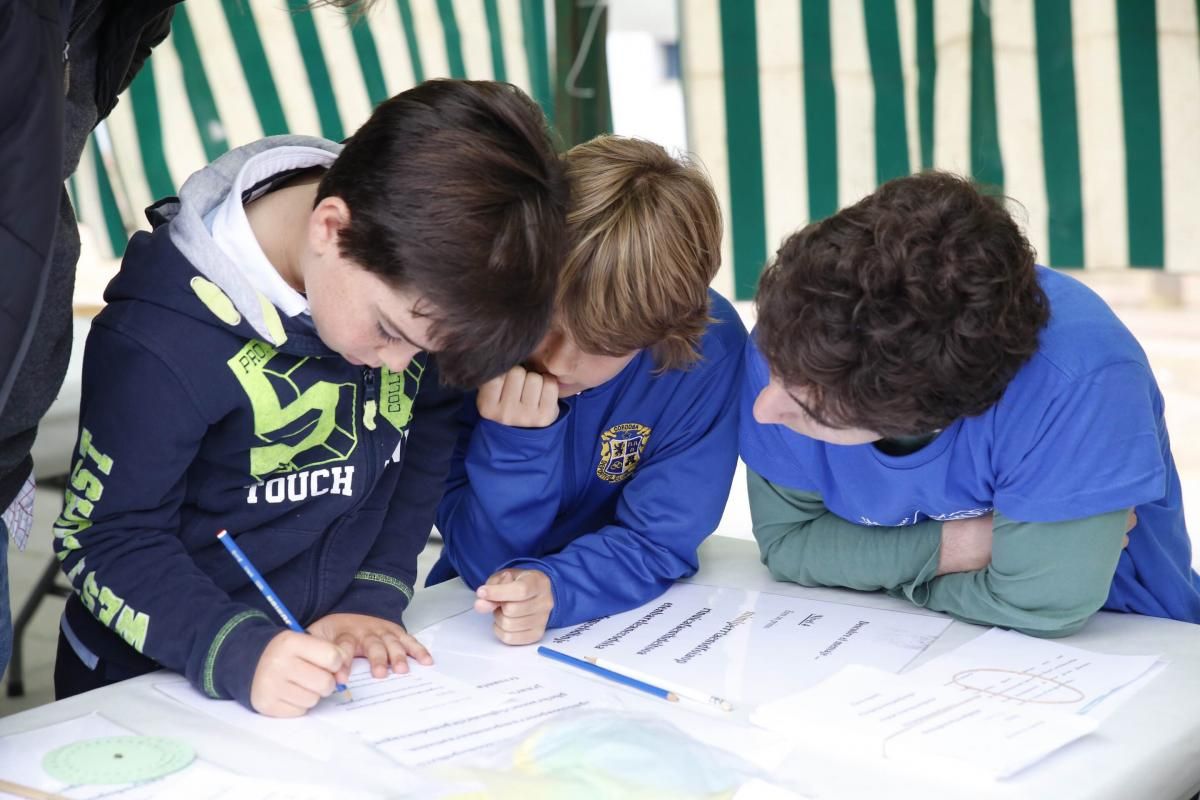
117,759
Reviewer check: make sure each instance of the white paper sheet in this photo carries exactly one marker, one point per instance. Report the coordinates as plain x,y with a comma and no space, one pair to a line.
464,646
298,734
749,647
429,716
21,757
895,717
423,716
1015,670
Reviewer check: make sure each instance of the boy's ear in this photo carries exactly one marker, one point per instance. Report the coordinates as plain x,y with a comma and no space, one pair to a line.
325,223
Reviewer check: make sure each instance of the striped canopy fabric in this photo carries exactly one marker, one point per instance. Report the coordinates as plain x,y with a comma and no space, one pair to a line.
233,71
1086,113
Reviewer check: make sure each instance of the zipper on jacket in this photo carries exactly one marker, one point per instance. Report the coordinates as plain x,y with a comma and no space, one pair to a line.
367,447
72,26
371,406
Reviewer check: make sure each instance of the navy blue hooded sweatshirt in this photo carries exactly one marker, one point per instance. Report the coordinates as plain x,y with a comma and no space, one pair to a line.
205,408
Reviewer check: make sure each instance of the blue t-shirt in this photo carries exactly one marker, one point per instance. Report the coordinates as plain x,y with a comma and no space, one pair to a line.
1078,432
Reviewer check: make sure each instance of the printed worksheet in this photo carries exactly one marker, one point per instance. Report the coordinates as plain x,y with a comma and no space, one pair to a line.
749,647
429,716
420,717
1014,670
298,734
545,691
889,716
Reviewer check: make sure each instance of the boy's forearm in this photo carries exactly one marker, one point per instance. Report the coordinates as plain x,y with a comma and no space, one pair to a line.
501,498
1045,579
214,641
674,500
802,541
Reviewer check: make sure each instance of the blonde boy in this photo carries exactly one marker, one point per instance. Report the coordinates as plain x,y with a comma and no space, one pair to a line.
585,480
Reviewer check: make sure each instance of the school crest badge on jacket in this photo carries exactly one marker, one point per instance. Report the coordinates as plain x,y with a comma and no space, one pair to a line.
621,448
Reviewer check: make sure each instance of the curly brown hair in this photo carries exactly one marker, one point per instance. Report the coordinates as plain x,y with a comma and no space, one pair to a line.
906,311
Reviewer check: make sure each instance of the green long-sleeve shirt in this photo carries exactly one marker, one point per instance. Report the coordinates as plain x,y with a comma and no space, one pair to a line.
1045,578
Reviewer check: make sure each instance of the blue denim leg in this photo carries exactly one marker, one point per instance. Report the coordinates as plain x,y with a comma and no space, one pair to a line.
6,632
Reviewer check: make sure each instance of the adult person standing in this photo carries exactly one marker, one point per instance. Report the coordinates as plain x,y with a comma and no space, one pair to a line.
62,65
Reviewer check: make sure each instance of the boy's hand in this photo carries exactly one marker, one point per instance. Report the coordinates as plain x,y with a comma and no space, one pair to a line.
382,643
293,674
966,545
520,399
520,601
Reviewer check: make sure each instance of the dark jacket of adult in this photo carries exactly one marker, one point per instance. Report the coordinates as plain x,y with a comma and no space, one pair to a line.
62,65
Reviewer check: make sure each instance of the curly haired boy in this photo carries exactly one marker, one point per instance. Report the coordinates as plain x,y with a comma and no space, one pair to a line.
928,412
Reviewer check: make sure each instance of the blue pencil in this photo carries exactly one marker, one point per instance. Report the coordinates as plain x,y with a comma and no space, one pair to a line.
263,586
616,677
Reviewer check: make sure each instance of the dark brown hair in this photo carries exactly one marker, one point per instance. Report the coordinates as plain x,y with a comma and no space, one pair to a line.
455,192
906,311
644,243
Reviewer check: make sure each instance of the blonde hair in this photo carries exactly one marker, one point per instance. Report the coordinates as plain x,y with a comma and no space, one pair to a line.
644,233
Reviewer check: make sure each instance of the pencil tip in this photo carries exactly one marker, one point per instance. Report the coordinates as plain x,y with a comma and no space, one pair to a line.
672,697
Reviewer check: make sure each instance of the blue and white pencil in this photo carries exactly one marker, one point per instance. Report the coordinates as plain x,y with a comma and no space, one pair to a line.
267,592
684,692
608,674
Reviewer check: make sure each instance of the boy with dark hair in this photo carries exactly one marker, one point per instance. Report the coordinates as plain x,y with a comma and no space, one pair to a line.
928,412
585,480
264,365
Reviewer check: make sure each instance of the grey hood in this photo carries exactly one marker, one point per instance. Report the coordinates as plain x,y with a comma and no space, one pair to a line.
203,192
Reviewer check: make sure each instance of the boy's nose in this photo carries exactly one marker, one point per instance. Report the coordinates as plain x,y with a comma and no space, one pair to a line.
561,357
398,358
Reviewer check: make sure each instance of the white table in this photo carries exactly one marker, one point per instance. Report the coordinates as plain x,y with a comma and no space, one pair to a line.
1148,748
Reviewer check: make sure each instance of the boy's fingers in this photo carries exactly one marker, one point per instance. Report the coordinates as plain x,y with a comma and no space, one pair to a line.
549,397
349,647
514,380
377,654
489,393
522,623
503,576
517,637
310,678
326,655
525,608
300,696
401,646
531,391
415,648
497,578
396,652
485,606
506,592
1131,523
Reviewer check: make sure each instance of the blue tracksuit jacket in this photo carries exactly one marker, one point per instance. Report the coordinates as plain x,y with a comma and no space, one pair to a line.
613,499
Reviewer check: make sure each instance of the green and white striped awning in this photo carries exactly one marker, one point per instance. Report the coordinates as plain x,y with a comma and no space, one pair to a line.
1085,112
233,71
